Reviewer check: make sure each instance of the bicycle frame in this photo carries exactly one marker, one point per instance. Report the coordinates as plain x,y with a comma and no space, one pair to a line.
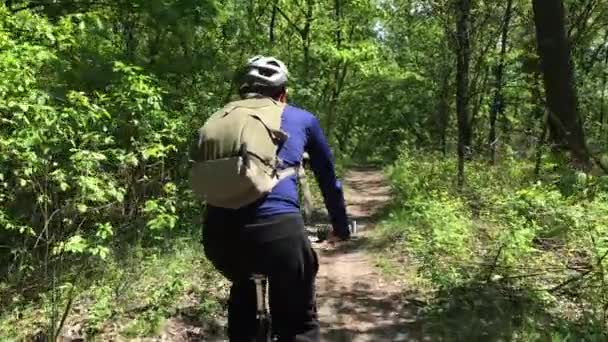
264,333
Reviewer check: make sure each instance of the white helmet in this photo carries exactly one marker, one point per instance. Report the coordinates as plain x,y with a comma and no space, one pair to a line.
264,71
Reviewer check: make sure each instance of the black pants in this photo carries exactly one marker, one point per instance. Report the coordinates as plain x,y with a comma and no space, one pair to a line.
279,248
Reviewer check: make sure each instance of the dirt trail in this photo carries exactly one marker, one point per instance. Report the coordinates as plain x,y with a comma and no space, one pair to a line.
355,302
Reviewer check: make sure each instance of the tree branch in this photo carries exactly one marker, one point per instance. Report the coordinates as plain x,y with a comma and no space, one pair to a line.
291,23
273,19
581,19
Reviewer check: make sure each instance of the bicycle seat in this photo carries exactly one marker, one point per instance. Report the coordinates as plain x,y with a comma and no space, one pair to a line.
258,276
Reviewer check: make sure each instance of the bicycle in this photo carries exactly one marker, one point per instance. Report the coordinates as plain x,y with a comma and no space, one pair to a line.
264,320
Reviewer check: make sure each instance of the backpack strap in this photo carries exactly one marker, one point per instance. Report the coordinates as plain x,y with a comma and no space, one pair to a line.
287,172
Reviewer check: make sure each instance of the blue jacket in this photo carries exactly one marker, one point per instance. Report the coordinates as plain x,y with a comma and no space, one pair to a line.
305,134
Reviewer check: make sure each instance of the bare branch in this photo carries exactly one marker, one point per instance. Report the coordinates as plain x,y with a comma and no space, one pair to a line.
291,23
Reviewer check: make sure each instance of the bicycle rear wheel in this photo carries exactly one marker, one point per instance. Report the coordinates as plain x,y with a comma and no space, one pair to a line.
264,330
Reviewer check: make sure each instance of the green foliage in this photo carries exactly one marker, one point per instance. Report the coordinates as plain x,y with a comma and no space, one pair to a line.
439,234
435,225
99,99
88,167
101,310
506,229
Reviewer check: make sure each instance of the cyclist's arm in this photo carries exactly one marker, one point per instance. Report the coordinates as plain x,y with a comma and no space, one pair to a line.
321,163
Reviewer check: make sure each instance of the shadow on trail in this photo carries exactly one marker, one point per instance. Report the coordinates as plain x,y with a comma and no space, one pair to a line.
354,244
475,311
478,312
468,313
375,316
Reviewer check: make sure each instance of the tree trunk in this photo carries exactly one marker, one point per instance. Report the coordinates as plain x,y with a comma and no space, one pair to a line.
478,101
538,115
335,94
539,149
130,40
306,40
558,73
273,20
329,123
443,111
462,83
603,99
498,107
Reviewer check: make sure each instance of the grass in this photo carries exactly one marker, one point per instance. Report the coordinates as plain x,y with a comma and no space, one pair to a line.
480,261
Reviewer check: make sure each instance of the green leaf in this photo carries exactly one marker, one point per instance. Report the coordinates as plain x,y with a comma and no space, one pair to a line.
104,231
82,208
101,251
76,244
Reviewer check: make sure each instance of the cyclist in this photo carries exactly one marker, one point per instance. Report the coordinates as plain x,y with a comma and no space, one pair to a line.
269,236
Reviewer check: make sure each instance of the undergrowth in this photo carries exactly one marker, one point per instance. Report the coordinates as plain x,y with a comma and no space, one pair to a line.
94,193
128,297
525,250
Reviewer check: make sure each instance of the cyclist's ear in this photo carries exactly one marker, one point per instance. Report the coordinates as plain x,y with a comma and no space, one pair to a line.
283,96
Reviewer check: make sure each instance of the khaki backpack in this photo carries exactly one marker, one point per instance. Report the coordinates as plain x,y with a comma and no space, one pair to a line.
235,159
